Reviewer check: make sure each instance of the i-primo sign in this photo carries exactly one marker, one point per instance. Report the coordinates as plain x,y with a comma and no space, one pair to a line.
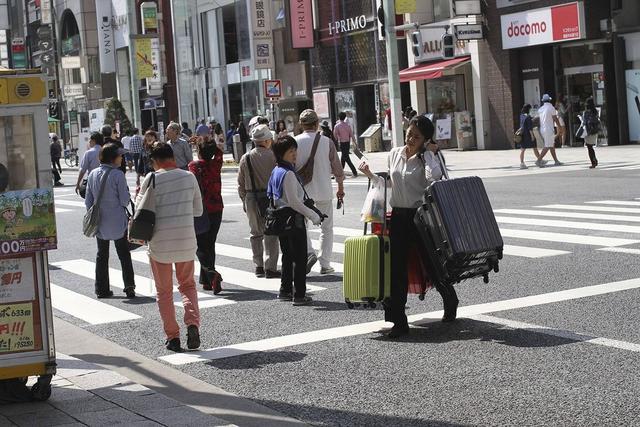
347,25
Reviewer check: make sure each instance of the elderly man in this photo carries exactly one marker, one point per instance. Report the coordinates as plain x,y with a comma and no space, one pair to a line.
326,163
181,148
253,176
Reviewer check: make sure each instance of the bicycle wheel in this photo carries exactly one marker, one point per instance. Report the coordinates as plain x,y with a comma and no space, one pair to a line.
69,160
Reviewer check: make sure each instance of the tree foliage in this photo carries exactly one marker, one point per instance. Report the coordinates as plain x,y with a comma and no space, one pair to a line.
115,112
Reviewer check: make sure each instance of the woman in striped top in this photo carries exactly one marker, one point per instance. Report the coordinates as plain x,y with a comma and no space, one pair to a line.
177,201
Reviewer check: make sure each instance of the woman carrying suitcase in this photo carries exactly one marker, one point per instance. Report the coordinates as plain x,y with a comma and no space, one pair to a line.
412,169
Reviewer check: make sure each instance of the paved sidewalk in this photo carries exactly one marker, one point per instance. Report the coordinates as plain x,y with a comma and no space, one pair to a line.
86,394
501,163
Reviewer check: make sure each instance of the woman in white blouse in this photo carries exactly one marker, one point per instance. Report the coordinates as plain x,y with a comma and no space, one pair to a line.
412,169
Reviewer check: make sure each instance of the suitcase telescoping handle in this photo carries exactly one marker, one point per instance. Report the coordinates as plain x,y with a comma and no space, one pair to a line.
384,175
443,165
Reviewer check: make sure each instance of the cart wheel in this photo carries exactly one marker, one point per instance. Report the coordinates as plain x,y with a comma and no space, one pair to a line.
485,279
41,390
496,269
372,304
350,305
421,297
357,304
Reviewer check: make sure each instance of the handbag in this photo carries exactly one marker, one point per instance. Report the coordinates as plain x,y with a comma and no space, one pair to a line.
133,243
260,196
305,174
517,136
201,223
143,221
91,218
581,132
82,190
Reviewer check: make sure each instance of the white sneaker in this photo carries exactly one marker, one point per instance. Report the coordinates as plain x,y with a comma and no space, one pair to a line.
523,166
540,163
559,163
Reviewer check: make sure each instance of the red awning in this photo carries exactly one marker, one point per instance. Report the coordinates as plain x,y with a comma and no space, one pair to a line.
432,70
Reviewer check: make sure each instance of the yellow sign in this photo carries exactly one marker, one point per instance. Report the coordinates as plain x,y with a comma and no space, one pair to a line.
16,328
405,6
22,90
144,62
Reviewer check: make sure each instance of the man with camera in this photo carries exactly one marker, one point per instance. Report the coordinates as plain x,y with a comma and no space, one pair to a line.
322,165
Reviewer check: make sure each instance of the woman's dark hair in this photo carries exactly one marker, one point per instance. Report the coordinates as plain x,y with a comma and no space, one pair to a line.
263,120
242,131
217,129
98,138
590,104
109,153
206,149
282,145
152,133
526,109
281,125
424,125
161,151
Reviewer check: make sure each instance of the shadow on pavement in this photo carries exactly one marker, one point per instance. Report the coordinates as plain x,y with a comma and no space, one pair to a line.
257,360
468,329
316,415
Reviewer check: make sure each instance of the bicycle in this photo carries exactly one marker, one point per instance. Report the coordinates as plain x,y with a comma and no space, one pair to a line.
71,158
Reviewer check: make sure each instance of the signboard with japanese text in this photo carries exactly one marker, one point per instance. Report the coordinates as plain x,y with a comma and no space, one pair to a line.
301,24
149,12
405,6
27,221
262,34
144,64
17,328
17,276
543,26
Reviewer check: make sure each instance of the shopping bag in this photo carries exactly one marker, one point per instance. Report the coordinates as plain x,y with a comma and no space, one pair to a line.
374,208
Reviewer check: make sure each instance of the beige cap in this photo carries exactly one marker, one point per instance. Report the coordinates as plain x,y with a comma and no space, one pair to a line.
261,133
308,117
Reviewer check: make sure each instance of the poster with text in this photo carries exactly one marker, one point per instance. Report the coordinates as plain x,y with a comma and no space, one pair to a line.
17,279
443,128
633,103
16,328
27,221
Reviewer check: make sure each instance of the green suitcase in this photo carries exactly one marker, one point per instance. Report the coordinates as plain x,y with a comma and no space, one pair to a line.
367,270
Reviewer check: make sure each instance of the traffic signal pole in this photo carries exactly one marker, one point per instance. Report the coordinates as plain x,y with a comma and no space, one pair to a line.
393,72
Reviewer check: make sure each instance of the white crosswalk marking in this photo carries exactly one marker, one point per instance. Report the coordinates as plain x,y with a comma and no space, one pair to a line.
60,210
562,214
337,247
615,203
575,239
70,203
528,252
236,277
87,309
144,285
246,253
629,251
592,208
617,228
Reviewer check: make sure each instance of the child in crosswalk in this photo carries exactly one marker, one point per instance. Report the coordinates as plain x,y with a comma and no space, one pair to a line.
173,245
287,193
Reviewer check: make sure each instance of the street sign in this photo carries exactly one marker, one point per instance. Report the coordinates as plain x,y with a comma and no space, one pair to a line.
73,90
273,88
45,11
467,7
274,100
45,45
47,59
469,32
44,32
71,62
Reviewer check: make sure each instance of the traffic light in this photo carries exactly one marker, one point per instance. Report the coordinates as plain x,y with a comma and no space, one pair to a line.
416,43
448,46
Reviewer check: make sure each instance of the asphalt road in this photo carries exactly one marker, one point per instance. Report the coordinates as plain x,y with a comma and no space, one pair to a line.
558,358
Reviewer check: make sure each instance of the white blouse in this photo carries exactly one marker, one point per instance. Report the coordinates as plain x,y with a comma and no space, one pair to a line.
411,177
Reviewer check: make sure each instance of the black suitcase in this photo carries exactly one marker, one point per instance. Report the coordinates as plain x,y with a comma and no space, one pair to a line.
459,231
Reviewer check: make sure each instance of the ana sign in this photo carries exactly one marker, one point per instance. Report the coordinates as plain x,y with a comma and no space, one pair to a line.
348,25
541,26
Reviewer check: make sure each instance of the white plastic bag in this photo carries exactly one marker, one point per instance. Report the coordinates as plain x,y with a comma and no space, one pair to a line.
374,207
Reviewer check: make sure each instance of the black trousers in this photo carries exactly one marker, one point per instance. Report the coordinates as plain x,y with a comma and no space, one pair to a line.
592,154
403,236
102,265
136,161
206,251
344,149
55,162
294,262
56,175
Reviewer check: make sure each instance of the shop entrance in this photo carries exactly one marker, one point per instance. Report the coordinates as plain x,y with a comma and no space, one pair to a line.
582,83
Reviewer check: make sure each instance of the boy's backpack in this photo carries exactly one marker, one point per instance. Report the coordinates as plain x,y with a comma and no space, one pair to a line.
591,122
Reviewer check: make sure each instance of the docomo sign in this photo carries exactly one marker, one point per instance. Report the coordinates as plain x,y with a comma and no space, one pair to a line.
542,26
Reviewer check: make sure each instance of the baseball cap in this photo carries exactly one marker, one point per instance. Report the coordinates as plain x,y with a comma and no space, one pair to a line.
308,117
261,133
546,97
253,121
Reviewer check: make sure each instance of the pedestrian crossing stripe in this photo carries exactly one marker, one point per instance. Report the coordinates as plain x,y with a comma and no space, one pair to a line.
592,208
70,203
236,277
87,309
577,215
576,239
144,285
616,228
615,203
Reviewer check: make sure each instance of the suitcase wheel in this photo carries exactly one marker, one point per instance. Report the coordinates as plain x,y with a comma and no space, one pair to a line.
372,304
421,297
349,304
496,268
485,278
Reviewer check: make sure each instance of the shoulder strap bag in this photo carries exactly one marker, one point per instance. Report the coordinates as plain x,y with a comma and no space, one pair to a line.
143,222
305,173
201,223
260,196
91,218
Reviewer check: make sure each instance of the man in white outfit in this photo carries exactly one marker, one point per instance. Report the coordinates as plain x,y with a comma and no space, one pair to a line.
326,163
548,121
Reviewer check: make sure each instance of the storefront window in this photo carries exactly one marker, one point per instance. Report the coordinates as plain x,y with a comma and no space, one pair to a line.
17,154
446,95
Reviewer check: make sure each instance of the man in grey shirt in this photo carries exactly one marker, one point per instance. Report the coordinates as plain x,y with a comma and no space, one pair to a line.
181,148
